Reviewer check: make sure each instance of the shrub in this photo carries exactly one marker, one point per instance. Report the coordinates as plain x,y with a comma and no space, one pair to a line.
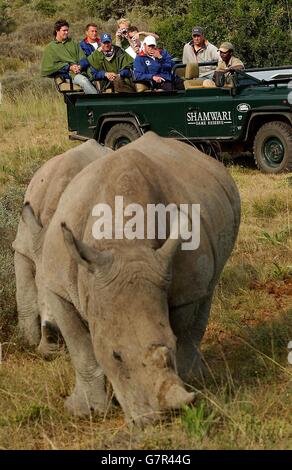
28,80
11,64
46,7
36,33
18,49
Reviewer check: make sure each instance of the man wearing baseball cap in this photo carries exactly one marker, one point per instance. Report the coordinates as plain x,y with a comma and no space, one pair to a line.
226,64
199,50
111,65
227,60
154,66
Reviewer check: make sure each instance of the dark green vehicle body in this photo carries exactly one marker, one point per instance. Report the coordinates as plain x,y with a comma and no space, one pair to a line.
254,115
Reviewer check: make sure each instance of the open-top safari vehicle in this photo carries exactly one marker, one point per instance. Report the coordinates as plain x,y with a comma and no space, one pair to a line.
252,114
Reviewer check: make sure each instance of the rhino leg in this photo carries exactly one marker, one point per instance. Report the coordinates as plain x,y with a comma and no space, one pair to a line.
89,392
49,345
27,299
189,323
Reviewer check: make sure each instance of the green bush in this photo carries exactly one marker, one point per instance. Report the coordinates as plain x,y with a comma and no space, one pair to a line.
259,29
34,34
18,49
46,7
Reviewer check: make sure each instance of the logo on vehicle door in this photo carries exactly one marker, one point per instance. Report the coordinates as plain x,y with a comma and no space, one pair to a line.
243,107
210,118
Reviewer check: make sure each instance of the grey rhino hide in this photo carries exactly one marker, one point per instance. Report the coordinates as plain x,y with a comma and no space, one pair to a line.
136,310
40,202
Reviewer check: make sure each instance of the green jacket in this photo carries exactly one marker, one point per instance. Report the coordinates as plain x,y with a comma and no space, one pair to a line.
118,61
59,54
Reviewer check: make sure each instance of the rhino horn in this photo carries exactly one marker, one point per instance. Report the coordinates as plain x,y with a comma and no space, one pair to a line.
177,396
168,250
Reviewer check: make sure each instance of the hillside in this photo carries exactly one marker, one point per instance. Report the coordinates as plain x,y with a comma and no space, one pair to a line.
261,30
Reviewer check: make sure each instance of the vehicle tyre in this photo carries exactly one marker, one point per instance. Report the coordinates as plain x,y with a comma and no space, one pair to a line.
273,147
120,135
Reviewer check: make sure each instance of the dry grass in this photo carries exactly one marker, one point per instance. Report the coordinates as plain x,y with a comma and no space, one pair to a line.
246,400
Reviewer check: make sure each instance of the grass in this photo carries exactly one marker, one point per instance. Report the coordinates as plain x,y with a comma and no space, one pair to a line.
246,400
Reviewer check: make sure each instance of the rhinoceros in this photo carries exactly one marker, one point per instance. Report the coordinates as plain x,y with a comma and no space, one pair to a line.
135,310
40,202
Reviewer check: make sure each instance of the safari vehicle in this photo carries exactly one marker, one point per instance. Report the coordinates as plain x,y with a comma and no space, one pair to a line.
252,114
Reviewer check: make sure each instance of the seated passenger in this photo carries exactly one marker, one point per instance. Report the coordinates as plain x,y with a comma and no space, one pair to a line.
200,50
155,65
111,65
91,41
226,64
121,33
64,57
135,44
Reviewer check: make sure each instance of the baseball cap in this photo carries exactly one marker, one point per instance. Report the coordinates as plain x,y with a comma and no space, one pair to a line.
226,46
150,41
198,30
106,38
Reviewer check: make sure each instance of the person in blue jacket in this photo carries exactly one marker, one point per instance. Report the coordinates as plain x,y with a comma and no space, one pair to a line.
91,42
155,65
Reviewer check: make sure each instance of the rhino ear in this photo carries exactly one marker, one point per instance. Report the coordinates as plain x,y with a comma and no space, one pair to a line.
34,225
83,254
29,217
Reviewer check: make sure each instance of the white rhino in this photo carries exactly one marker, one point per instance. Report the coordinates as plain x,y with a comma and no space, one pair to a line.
136,310
43,194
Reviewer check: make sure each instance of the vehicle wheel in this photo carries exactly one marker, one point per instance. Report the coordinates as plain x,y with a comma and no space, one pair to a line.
120,135
273,147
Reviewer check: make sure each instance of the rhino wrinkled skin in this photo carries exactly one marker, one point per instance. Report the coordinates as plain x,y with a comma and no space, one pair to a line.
43,194
135,311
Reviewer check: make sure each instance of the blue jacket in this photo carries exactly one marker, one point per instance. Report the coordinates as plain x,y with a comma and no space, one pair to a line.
146,67
87,47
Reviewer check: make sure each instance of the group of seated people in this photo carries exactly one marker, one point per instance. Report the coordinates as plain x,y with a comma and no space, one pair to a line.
96,64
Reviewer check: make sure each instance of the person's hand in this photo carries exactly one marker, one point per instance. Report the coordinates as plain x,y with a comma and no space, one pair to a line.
75,68
111,76
156,53
158,79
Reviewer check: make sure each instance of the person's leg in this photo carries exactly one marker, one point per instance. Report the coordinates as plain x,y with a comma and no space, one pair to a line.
178,83
85,84
166,86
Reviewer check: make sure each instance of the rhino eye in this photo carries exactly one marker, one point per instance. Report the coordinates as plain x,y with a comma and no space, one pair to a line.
117,356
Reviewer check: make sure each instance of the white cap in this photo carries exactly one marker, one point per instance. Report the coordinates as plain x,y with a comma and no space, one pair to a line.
150,41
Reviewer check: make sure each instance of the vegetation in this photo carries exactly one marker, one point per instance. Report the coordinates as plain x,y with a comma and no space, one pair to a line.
245,402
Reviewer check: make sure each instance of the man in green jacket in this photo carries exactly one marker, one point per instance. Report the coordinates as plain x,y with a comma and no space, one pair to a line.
112,66
63,56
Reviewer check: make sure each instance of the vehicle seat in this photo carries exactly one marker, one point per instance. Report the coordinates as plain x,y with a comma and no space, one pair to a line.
191,71
64,87
142,86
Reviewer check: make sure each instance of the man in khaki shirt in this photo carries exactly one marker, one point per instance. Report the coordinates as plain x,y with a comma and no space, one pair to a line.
227,62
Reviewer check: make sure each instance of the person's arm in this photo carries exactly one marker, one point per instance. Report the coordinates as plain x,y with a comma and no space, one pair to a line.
165,61
236,64
51,65
97,74
145,33
140,70
84,64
